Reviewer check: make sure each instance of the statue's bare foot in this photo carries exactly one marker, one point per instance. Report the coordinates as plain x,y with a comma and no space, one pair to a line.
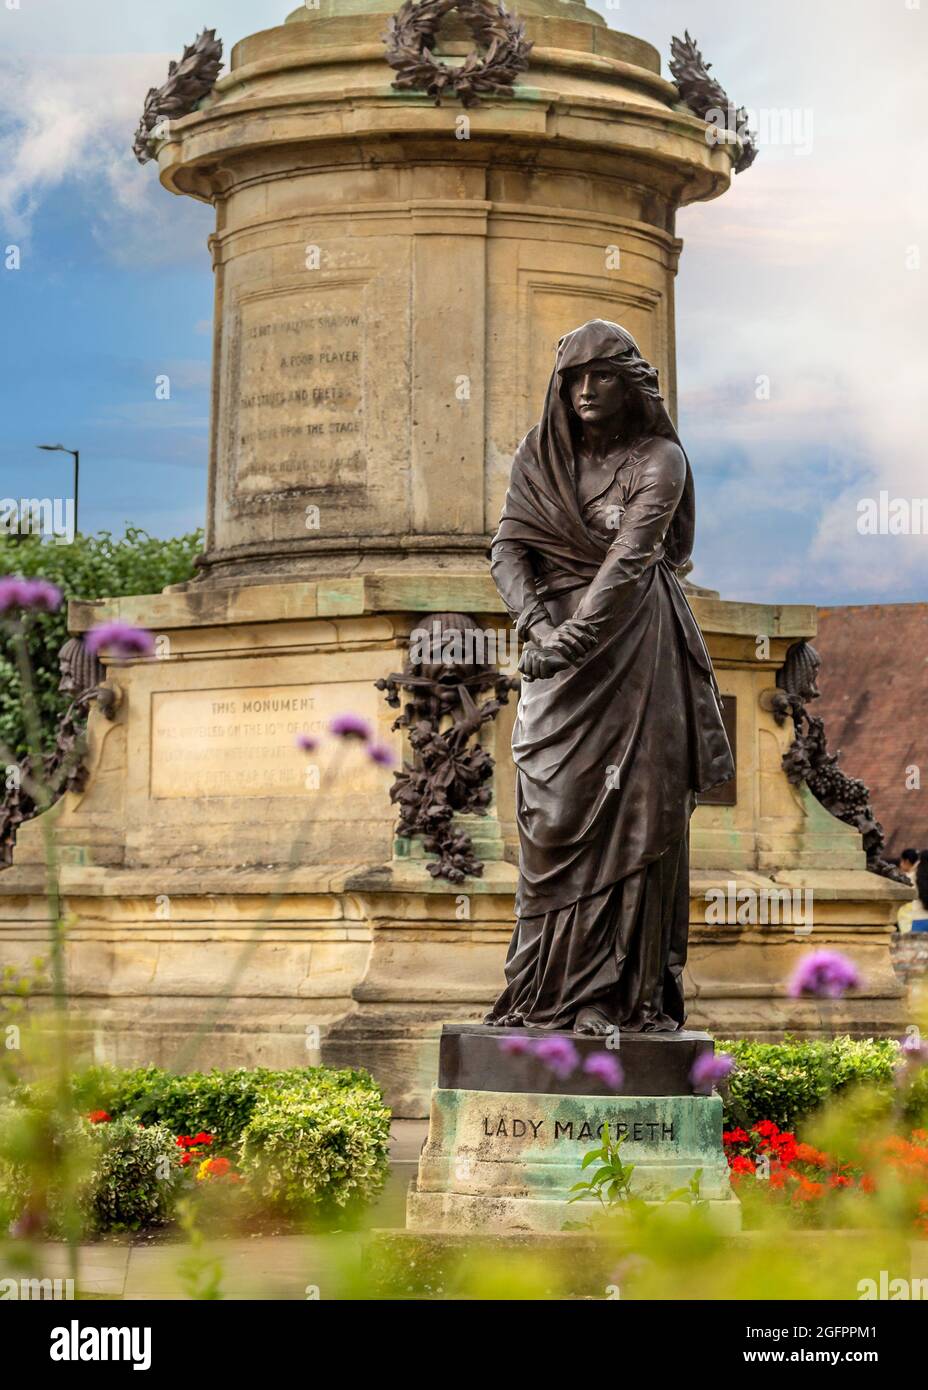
505,1021
591,1021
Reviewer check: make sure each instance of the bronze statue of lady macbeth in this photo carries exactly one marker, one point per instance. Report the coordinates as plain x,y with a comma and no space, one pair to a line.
619,722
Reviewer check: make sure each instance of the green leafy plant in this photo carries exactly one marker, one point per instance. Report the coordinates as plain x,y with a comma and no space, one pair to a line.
691,1193
47,1171
611,1183
200,1272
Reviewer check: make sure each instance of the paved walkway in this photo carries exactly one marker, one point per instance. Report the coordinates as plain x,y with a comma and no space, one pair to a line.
275,1267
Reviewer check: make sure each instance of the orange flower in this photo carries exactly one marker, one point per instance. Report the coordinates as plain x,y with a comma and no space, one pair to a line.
805,1153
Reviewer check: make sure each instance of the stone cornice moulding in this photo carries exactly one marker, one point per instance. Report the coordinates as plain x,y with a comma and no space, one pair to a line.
197,145
386,592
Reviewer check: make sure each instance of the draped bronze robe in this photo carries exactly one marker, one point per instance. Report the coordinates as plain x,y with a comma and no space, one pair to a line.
609,753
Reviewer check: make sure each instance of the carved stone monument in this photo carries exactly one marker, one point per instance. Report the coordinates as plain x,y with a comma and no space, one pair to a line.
392,277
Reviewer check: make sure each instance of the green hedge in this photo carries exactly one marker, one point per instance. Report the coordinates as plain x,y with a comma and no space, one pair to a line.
785,1082
301,1153
307,1140
100,566
220,1102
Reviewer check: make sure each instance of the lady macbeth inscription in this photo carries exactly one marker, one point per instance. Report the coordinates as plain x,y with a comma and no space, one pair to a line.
298,414
637,1131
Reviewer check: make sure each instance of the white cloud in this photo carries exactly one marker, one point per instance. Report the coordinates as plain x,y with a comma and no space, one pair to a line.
67,120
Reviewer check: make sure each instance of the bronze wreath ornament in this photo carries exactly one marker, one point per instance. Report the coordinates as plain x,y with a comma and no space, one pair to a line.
410,40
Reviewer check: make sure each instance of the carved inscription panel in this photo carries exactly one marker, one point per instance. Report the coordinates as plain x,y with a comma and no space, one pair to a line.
240,742
297,390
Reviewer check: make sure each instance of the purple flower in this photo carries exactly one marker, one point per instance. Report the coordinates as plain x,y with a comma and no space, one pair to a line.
710,1068
515,1047
28,593
306,743
559,1055
350,726
606,1067
825,974
120,639
380,754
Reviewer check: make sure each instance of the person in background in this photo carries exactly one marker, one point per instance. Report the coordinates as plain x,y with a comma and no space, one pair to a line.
913,916
920,915
907,862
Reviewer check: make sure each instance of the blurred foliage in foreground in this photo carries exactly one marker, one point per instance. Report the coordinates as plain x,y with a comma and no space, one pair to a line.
100,566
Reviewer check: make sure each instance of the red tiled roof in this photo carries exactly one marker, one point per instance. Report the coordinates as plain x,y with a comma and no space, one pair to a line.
874,684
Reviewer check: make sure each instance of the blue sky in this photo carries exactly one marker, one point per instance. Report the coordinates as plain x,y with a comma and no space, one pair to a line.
803,274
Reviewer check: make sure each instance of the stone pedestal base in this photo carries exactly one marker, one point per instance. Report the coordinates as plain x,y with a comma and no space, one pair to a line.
457,1214
506,1159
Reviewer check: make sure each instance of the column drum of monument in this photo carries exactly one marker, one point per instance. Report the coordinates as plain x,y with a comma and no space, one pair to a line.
392,276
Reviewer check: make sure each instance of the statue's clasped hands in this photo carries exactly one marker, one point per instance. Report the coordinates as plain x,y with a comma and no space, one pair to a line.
552,649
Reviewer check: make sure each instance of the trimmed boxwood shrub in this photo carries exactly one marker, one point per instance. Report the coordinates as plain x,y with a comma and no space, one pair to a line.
138,1175
785,1082
316,1153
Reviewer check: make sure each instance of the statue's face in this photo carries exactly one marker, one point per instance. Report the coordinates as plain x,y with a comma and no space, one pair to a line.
597,392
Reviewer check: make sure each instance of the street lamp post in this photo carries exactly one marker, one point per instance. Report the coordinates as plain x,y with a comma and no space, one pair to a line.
76,455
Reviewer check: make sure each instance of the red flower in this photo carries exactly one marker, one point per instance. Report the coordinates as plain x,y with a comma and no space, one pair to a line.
187,1141
99,1117
741,1164
766,1128
736,1136
219,1167
786,1147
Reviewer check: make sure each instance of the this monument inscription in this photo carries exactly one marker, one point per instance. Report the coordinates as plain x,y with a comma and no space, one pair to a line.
239,742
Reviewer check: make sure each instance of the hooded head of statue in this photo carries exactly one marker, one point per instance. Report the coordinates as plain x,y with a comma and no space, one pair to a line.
542,506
